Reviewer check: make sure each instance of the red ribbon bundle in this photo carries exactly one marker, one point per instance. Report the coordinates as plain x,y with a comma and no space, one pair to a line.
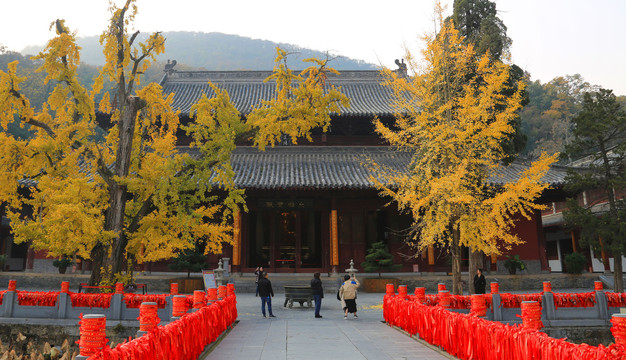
134,301
148,317
420,294
119,288
515,300
221,292
616,299
12,285
547,286
65,287
619,328
470,337
531,315
454,301
389,289
597,286
441,287
183,339
495,287
198,299
37,298
91,300
574,300
444,298
2,295
211,294
230,289
479,305
403,291
179,305
174,288
92,334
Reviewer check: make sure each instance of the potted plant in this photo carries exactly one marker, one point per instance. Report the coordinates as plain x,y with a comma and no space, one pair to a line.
378,258
575,263
62,264
513,264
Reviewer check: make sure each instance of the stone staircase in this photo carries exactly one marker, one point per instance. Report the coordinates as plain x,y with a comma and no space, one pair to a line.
609,281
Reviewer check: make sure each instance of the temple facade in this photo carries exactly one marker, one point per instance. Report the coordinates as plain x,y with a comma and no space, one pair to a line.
313,206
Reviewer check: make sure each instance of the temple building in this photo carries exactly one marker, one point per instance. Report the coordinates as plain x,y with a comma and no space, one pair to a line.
314,206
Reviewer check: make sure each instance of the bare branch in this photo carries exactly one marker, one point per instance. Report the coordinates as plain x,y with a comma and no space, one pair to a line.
132,38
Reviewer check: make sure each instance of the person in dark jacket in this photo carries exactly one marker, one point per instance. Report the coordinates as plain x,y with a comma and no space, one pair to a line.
318,293
259,273
479,282
266,293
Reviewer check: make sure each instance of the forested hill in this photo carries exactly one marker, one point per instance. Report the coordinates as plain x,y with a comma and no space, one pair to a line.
218,51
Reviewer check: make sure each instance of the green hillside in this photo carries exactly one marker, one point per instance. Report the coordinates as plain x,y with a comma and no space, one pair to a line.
217,51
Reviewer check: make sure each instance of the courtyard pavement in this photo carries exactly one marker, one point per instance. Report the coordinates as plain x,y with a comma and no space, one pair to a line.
296,335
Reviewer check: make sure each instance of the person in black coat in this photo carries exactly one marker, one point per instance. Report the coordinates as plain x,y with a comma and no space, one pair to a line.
266,293
479,282
318,293
258,273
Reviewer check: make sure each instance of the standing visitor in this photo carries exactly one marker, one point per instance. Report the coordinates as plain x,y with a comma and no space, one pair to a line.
258,272
266,293
318,293
479,282
347,293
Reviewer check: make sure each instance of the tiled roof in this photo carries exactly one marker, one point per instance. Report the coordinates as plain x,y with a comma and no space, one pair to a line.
330,167
335,167
368,97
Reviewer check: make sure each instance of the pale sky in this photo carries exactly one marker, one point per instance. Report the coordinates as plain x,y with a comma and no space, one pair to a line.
550,37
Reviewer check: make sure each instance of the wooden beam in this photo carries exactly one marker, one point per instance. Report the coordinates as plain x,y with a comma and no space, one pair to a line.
431,255
334,239
237,238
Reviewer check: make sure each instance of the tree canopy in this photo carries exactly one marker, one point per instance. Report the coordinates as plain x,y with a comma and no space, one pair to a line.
130,194
599,133
547,119
452,116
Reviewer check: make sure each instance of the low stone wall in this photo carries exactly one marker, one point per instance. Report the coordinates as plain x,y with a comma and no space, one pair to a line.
51,281
509,283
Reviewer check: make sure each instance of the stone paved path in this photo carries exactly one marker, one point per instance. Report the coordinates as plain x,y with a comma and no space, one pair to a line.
296,335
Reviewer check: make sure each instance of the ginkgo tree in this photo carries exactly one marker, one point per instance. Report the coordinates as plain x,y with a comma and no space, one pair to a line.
130,195
452,117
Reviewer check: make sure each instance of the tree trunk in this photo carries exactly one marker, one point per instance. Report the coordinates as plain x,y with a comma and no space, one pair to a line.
117,198
98,254
475,263
618,276
455,249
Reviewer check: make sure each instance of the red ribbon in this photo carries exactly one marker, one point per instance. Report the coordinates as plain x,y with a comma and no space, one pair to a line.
574,300
183,339
91,300
470,337
37,298
133,301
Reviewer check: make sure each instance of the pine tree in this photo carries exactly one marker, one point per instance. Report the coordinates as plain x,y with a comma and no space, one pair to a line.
600,133
378,258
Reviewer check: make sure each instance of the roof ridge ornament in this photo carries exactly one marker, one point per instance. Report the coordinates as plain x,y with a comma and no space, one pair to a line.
169,67
402,69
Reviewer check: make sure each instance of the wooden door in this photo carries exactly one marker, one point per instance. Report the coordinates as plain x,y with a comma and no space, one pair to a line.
351,239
